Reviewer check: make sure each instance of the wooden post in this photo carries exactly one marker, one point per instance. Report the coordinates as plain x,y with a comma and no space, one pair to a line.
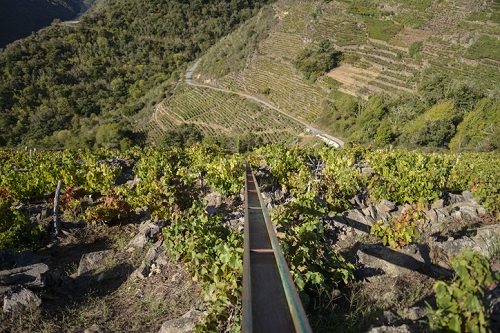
57,223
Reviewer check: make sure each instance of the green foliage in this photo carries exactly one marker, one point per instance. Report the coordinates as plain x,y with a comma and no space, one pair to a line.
480,128
185,135
214,255
384,134
461,303
314,63
339,183
382,29
364,7
435,127
369,119
15,231
415,50
114,210
232,52
313,264
223,173
434,133
479,174
117,61
485,47
407,177
287,165
401,231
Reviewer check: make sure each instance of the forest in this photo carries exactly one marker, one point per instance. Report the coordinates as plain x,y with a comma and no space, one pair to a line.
81,85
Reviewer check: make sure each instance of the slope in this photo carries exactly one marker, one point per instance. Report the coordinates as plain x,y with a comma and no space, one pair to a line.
389,47
82,85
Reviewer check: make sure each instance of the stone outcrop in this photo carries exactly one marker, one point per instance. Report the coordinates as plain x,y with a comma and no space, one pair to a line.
19,299
185,324
92,261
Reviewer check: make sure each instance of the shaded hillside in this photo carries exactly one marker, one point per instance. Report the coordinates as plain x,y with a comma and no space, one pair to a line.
415,54
80,85
19,18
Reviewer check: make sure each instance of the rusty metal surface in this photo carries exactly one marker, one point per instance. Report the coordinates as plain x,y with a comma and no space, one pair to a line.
270,300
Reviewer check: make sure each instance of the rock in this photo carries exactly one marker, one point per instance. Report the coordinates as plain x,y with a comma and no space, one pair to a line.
378,258
148,232
211,210
370,211
386,206
390,329
214,199
442,252
368,171
485,239
356,219
91,261
31,276
467,195
156,254
469,209
9,259
140,273
438,204
19,299
442,214
185,324
415,313
132,184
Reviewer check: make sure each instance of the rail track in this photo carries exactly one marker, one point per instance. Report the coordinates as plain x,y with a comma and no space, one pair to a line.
270,299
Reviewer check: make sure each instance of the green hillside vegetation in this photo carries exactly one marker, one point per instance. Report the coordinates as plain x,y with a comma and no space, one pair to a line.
120,58
485,47
19,18
401,63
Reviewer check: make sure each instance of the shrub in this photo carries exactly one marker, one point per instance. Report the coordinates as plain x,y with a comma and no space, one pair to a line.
461,303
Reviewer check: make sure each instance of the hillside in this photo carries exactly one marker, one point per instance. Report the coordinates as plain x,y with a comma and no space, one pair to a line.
398,60
19,18
81,85
146,236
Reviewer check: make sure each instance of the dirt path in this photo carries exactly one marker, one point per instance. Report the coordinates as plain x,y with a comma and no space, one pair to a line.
337,142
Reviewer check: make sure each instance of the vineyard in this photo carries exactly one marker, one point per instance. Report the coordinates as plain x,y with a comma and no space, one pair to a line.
331,208
389,48
216,113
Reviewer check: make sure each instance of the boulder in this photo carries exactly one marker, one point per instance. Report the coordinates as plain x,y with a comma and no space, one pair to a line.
386,206
148,232
358,221
467,195
10,259
185,324
368,171
378,258
214,199
91,261
438,204
30,276
20,299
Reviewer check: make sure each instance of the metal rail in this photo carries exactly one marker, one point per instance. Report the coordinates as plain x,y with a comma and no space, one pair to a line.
270,299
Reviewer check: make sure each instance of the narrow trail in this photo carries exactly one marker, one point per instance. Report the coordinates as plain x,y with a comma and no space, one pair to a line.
325,137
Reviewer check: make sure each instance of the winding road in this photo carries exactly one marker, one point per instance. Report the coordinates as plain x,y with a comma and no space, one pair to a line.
325,137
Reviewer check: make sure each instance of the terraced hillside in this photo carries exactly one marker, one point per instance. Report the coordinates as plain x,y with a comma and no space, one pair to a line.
216,113
387,47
